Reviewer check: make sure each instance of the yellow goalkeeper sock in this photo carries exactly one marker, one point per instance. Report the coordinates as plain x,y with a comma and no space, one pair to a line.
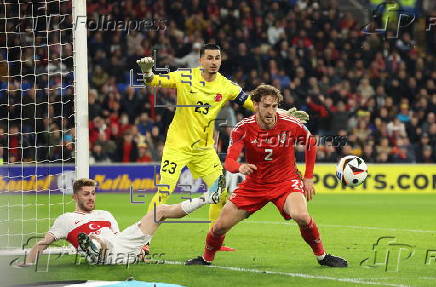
215,209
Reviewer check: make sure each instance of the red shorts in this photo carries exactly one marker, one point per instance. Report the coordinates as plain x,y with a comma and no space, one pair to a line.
252,197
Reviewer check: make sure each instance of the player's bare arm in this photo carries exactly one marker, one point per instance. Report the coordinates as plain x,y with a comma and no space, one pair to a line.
309,189
36,250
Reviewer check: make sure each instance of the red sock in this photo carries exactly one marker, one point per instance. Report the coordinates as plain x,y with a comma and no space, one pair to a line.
213,243
310,234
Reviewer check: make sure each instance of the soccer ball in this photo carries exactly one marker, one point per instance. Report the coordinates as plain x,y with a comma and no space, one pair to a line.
351,170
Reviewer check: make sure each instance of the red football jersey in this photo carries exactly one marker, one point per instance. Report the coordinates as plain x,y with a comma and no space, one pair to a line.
271,150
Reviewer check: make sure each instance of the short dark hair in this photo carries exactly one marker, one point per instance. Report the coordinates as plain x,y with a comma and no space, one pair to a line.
264,90
78,184
209,47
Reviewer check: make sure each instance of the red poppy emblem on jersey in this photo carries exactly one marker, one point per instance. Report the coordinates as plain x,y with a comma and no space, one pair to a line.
218,97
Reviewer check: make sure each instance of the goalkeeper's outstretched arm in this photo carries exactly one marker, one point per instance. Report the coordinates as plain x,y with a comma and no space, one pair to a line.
146,65
168,80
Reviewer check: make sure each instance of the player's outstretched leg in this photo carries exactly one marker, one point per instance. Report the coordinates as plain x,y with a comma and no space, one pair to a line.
296,207
158,212
228,218
151,221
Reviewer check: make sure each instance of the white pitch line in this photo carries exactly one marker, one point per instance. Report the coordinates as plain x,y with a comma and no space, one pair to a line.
335,226
349,226
380,228
298,275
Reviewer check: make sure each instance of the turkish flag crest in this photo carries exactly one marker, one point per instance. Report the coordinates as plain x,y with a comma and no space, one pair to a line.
218,97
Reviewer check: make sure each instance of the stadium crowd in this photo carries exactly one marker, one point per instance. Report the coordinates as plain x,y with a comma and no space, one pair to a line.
378,92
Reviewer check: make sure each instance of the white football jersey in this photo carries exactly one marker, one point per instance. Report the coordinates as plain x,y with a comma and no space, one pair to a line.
69,225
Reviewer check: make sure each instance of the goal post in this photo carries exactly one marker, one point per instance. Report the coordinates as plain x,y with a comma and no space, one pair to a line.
44,135
80,51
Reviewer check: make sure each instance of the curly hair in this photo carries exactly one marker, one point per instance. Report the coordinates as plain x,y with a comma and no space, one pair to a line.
265,90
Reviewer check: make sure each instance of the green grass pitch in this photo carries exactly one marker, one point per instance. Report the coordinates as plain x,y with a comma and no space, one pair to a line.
270,251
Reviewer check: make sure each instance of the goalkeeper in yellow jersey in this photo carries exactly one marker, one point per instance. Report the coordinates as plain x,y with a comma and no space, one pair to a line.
201,93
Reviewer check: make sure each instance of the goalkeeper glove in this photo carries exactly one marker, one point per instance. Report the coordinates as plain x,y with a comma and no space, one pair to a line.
293,112
146,65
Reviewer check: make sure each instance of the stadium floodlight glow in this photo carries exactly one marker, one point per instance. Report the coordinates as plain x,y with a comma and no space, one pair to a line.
43,114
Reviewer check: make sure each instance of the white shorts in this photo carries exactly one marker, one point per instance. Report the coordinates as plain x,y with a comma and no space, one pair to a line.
125,246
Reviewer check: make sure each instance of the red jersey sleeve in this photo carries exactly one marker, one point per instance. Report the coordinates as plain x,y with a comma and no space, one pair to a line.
304,137
234,150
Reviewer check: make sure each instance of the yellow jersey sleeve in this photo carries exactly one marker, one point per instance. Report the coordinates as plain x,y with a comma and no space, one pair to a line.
168,80
237,95
248,104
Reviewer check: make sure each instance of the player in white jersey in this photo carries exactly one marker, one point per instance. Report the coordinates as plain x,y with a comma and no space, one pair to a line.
96,232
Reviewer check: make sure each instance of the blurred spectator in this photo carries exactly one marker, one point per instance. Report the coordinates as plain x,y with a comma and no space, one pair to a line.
369,154
145,124
95,108
396,128
382,157
14,143
362,132
99,77
99,155
144,154
404,115
320,114
107,145
191,60
97,127
127,149
129,104
402,151
339,118
124,124
430,120
426,156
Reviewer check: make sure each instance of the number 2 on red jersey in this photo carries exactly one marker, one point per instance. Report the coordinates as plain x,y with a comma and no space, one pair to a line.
268,155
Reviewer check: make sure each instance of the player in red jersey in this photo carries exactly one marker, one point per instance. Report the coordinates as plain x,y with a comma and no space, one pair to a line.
271,175
95,233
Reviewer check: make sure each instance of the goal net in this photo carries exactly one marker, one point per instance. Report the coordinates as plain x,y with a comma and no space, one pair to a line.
38,127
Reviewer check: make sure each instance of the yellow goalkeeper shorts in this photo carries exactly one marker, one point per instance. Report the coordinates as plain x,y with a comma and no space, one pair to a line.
201,163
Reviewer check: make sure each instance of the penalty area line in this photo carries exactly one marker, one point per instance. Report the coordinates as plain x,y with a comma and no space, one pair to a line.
297,275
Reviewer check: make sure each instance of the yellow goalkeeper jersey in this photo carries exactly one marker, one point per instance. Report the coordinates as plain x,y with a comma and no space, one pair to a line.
198,104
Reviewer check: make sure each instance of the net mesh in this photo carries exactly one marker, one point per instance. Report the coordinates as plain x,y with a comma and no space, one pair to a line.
37,127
